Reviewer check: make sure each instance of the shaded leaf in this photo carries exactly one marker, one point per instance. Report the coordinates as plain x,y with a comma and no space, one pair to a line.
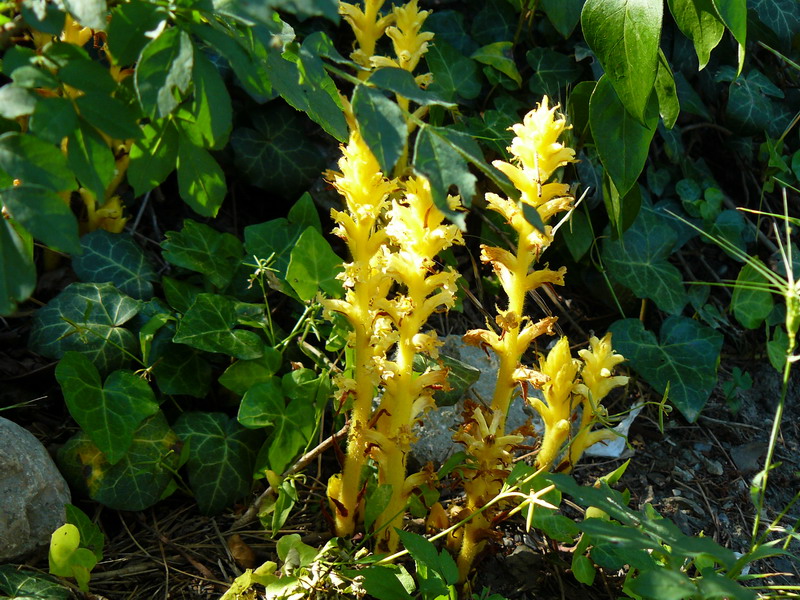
91,159
751,301
34,161
116,258
127,31
402,83
153,156
454,75
667,93
53,119
44,214
552,71
22,584
201,182
244,374
18,275
781,16
200,248
157,86
563,14
91,535
109,115
381,124
698,20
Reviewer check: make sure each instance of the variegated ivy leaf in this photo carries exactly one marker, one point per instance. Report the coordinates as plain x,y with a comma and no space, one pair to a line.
116,258
87,318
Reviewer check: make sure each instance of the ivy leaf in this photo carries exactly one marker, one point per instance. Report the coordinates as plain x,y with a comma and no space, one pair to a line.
277,154
244,374
138,480
698,21
499,56
209,325
200,248
553,71
781,16
34,161
382,125
127,31
98,311
751,301
314,266
18,275
115,257
153,156
107,412
89,13
749,105
44,214
454,75
625,34
273,241
67,559
621,140
639,261
22,584
684,358
156,85
564,15
221,455
178,369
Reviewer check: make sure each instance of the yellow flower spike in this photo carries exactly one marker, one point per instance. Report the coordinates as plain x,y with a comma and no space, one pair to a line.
368,27
410,44
599,362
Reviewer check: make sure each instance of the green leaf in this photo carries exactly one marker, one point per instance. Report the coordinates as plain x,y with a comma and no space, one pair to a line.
383,583
244,374
661,583
22,584
304,212
34,161
16,101
89,13
563,14
436,158
684,358
667,93
77,69
99,311
116,258
53,119
92,537
314,267
273,241
621,141
201,182
622,211
734,15
552,71
749,107
698,20
44,17
260,403
153,156
200,248
67,559
91,160
402,83
138,480
639,261
107,412
751,302
499,56
381,124
717,585
18,275
583,569
454,75
221,454
109,115
44,214
178,369
127,31
578,235
31,77
781,16
277,154
624,34
211,105
156,85
209,325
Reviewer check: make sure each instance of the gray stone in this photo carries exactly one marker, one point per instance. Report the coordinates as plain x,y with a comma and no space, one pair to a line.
32,493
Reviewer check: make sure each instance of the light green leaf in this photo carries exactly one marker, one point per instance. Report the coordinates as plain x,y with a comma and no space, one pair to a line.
53,119
153,156
16,101
18,275
668,105
127,31
116,258
751,302
639,261
304,212
44,214
563,14
244,374
89,13
313,267
583,569
156,85
734,15
22,584
92,537
661,584
684,358
107,412
201,182
552,71
211,105
383,583
277,154
99,311
67,559
138,480
209,325
261,402
624,34
454,75
402,83
221,455
200,248
381,124
698,20
34,161
499,56
91,159
109,115
621,141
